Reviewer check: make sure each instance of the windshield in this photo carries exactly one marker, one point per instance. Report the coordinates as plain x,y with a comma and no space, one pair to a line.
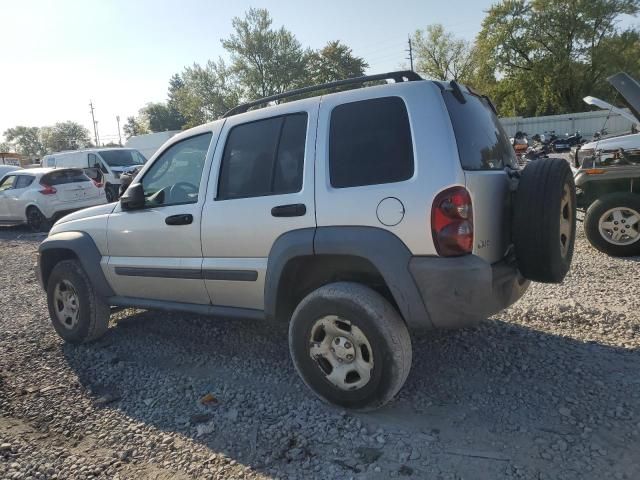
482,142
122,158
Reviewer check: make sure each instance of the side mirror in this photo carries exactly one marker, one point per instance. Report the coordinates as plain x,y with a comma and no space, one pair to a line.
133,198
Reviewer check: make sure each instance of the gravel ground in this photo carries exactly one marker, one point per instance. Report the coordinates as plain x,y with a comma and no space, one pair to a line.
548,389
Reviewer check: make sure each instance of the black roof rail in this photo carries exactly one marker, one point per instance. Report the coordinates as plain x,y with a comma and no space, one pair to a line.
400,76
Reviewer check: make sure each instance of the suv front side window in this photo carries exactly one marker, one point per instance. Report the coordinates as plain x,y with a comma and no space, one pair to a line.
7,183
174,178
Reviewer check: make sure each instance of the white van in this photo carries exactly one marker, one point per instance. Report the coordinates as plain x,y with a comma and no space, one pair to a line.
108,163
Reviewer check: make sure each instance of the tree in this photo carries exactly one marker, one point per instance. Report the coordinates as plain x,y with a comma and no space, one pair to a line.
6,147
133,127
442,56
65,136
160,117
175,85
551,53
25,140
264,61
205,92
335,61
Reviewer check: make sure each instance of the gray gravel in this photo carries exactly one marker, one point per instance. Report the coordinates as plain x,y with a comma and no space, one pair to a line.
547,389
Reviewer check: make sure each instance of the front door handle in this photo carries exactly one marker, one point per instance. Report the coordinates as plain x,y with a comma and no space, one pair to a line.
182,219
293,210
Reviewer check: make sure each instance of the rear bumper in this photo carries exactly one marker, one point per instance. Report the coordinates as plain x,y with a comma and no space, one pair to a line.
459,292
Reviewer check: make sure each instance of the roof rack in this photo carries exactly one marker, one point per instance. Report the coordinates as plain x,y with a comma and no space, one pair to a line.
400,76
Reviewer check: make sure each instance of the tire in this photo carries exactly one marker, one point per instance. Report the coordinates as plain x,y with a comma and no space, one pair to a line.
37,221
111,193
365,324
90,319
544,221
628,204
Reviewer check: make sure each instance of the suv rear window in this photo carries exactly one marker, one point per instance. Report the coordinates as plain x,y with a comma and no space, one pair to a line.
482,142
370,143
265,157
60,177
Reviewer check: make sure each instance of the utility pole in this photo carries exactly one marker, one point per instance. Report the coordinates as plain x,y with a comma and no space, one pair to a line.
97,136
119,136
93,118
410,50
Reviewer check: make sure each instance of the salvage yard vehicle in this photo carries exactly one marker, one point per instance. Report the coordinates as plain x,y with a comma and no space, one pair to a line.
354,216
40,196
607,177
110,162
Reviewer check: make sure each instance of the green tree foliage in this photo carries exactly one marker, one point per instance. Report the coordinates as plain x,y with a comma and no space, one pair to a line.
159,117
442,56
65,136
205,92
543,56
264,60
25,140
133,127
335,61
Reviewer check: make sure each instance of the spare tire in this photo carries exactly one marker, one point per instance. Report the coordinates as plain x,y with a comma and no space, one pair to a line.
544,220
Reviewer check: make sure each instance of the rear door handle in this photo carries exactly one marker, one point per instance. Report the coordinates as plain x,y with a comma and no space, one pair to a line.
182,219
293,210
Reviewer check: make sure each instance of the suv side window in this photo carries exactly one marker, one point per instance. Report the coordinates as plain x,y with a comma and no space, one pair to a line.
174,178
265,157
7,183
370,143
23,181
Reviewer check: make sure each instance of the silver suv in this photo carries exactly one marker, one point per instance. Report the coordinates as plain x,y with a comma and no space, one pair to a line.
354,216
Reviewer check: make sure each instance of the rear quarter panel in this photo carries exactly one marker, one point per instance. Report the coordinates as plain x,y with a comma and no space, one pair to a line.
436,167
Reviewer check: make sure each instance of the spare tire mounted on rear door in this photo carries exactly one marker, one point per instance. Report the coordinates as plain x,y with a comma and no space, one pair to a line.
544,220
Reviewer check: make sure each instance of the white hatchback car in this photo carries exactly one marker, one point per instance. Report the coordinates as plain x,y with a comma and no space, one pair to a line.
40,196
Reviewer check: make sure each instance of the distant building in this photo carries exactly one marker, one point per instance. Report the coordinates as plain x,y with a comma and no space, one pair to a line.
15,159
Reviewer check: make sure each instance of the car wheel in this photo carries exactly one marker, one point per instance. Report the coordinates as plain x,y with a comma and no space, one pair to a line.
36,220
78,314
544,222
612,224
110,193
350,346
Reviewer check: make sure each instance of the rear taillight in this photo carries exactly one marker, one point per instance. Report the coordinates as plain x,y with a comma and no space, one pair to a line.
97,183
452,222
48,189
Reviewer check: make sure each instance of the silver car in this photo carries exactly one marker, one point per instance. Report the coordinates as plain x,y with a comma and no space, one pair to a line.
354,217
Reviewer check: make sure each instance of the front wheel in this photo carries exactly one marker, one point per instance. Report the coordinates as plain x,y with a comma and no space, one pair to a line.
612,224
111,192
77,313
350,346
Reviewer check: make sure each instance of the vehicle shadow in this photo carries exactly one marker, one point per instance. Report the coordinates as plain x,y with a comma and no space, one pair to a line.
497,389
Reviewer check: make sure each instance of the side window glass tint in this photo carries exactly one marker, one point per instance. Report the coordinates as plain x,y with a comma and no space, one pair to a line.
7,183
370,143
265,157
174,178
24,181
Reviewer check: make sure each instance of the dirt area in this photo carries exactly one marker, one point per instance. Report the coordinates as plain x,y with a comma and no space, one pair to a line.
548,389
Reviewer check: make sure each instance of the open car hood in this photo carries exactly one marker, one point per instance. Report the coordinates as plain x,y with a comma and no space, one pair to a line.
629,88
596,102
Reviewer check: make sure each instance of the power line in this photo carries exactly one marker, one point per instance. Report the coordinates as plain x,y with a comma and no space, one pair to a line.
93,118
410,50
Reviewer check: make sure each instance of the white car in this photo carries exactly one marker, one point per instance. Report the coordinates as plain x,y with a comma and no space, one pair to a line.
4,169
39,196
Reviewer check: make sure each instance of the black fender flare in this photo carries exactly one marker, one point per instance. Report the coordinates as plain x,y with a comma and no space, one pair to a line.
73,244
384,250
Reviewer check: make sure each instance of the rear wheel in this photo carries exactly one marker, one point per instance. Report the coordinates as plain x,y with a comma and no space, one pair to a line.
36,220
612,224
77,313
350,346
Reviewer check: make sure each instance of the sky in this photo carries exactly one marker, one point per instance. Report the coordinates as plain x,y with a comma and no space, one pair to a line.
56,56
